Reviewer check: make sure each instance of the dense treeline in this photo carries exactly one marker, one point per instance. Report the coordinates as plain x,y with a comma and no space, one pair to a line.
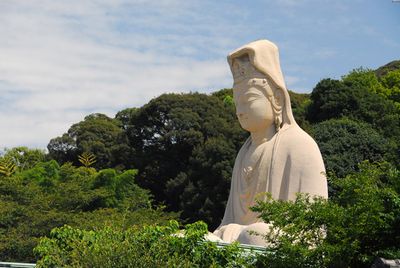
178,151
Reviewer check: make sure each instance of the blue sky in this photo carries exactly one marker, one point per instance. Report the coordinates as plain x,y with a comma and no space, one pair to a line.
62,60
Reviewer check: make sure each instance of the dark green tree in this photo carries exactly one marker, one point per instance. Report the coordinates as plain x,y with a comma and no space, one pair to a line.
345,143
336,99
98,134
169,134
300,103
204,188
331,99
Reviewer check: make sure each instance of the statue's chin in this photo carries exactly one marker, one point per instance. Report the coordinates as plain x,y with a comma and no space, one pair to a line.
244,234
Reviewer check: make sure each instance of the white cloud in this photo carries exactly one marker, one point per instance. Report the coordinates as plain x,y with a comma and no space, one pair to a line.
62,60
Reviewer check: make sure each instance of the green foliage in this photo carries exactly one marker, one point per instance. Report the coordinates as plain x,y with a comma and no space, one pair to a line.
331,99
336,99
360,96
391,66
365,78
222,94
23,157
148,246
7,167
36,200
201,197
228,100
350,230
392,81
125,115
345,143
300,103
98,134
87,159
168,135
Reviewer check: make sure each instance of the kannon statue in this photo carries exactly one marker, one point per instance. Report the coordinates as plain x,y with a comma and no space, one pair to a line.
278,157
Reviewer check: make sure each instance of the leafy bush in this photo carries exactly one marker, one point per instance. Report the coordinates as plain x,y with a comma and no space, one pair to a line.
148,246
36,200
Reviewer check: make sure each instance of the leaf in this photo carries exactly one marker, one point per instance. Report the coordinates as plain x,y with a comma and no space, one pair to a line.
7,167
87,159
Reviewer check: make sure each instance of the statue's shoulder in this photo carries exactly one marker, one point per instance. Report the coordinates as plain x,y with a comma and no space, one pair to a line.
294,140
294,135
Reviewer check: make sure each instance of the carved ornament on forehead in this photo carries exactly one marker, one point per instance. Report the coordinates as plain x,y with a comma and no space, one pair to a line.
243,70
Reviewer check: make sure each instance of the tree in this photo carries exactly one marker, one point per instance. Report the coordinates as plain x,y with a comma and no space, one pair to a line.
392,81
391,66
345,143
169,133
365,78
38,199
331,99
98,134
335,99
204,188
300,103
23,157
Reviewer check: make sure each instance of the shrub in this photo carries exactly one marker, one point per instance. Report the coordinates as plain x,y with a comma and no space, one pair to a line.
148,246
359,224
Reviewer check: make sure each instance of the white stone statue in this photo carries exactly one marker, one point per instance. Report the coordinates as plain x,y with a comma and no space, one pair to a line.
278,157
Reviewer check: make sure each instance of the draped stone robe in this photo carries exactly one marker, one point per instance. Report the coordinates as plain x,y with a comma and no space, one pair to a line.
292,165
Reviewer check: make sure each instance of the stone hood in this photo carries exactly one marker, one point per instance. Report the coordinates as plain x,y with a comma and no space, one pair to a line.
264,56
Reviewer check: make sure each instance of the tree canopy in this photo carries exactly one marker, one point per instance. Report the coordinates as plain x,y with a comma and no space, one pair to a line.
47,195
97,134
170,135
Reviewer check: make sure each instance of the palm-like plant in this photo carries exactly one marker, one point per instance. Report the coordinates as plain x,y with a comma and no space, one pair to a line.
87,159
7,167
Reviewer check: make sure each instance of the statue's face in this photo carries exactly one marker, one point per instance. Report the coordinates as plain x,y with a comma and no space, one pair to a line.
253,108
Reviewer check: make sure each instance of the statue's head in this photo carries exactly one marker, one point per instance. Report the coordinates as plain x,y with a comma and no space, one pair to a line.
260,94
258,102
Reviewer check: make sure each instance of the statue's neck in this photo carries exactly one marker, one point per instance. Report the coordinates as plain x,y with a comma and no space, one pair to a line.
262,135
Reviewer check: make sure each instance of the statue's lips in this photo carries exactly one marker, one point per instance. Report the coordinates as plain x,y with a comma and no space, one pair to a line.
242,119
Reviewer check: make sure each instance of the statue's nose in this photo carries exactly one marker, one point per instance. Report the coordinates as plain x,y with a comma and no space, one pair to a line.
239,111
